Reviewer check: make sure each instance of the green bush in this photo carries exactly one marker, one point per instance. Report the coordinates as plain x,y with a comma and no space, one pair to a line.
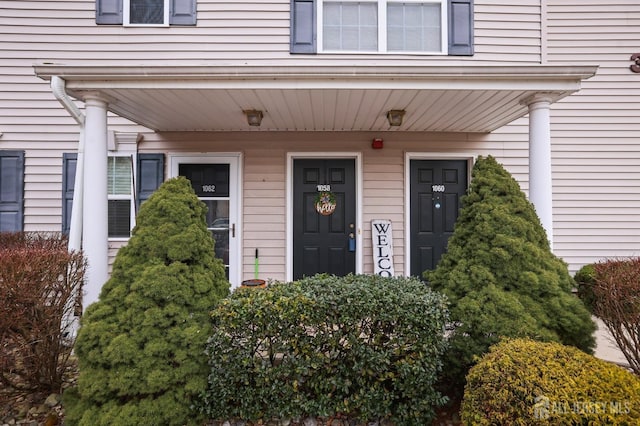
523,382
501,277
362,347
141,346
585,279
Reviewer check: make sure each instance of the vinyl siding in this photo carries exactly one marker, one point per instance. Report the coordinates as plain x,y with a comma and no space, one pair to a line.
247,32
596,154
264,196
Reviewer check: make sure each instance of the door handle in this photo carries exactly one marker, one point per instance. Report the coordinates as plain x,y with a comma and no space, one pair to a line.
233,230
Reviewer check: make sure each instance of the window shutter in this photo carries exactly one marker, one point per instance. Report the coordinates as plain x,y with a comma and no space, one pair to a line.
303,26
69,162
109,12
182,12
150,176
461,27
11,190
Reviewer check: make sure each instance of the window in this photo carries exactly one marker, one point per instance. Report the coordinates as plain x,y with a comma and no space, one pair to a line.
382,26
119,196
146,12
150,175
11,190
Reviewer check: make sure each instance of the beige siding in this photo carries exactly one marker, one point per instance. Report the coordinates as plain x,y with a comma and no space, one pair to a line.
383,172
232,31
596,152
246,32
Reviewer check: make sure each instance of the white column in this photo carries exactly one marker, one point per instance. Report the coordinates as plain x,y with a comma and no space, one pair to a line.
540,183
95,206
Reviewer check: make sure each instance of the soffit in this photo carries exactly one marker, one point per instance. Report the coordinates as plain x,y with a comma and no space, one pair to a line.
199,98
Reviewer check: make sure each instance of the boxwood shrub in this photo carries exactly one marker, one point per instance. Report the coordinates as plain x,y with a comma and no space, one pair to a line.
524,382
360,347
585,279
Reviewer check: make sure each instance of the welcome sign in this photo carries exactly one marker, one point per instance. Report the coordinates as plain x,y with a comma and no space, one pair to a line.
382,239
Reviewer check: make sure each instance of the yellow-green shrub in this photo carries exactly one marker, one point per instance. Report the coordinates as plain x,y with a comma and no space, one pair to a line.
523,382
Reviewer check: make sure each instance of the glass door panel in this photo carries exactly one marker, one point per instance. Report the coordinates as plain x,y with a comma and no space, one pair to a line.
215,180
218,224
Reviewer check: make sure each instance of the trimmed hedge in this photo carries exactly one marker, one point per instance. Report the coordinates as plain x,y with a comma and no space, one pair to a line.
523,382
362,347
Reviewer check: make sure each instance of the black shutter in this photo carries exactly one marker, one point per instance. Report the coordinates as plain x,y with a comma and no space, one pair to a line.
150,171
461,27
11,190
303,26
182,12
109,12
69,162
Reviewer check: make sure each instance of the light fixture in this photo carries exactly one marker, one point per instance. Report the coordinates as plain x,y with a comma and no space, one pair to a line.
254,116
395,116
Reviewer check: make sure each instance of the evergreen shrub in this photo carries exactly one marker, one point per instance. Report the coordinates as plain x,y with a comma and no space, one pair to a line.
40,283
358,347
501,277
615,301
141,346
524,382
585,279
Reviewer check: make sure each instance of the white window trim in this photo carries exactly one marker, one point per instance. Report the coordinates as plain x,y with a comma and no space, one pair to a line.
382,29
126,15
130,197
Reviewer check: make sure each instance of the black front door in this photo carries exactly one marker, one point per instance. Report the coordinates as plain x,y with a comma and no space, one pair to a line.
436,188
324,217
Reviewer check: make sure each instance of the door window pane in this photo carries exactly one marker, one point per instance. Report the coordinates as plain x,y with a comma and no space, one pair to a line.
350,26
218,224
413,27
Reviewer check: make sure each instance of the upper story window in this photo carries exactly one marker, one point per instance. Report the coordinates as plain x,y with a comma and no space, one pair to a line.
146,12
382,26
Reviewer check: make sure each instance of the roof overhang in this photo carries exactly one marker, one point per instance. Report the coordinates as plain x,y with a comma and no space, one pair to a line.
320,98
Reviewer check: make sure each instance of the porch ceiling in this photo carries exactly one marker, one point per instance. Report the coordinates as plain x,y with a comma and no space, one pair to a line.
212,98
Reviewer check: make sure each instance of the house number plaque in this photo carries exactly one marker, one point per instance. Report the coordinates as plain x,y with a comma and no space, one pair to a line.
636,62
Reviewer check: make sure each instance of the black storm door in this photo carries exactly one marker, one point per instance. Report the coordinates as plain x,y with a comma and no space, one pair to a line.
324,217
436,188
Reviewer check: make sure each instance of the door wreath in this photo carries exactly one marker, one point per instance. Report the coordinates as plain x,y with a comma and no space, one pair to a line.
325,203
